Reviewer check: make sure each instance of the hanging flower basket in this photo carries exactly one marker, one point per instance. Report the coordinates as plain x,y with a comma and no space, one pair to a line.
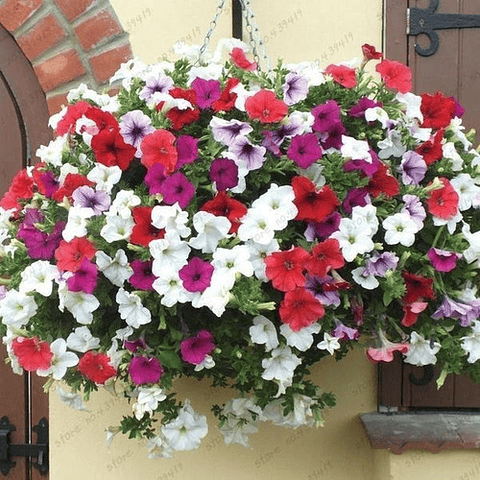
214,221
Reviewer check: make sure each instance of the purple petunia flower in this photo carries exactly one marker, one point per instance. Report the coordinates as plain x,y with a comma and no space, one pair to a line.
40,245
459,110
252,155
380,264
304,150
270,144
326,116
287,130
295,88
187,148
413,206
145,370
315,284
196,275
333,138
344,332
3,292
358,110
154,178
367,168
177,188
142,277
163,85
135,345
227,132
356,197
442,260
84,279
134,126
50,183
195,349
324,229
413,167
224,172
87,197
452,309
208,91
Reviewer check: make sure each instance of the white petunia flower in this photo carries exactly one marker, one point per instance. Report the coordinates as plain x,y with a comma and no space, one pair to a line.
131,309
215,297
471,343
76,223
280,366
400,228
187,430
377,114
208,362
211,229
302,339
367,281
301,415
79,304
352,239
355,149
116,269
329,343
52,154
123,203
451,223
170,287
105,178
258,253
17,308
38,277
171,218
229,262
467,190
422,352
81,340
366,218
117,228
449,151
66,169
392,146
61,360
257,225
314,173
169,253
263,332
242,418
472,253
148,400
457,129
412,104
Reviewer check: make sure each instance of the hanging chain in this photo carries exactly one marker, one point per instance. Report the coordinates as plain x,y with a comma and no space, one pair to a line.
210,31
258,45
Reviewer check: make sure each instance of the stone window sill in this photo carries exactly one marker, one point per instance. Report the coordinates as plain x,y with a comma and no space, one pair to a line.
434,432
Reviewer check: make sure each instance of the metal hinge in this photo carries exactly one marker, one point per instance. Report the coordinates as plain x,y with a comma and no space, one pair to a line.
37,450
426,21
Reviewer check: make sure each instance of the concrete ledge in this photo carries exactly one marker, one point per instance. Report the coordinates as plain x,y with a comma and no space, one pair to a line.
434,432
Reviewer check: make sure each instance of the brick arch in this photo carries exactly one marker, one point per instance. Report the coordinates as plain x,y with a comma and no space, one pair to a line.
68,42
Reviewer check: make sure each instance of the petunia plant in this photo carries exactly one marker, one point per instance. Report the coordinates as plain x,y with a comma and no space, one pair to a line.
214,221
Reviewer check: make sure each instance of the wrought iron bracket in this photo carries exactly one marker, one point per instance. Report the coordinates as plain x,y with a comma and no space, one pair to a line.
37,450
426,22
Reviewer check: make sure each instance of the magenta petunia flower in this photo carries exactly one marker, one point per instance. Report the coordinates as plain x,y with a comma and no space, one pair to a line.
40,245
144,370
224,172
177,188
442,260
85,278
142,277
50,183
187,148
154,178
356,197
195,349
367,168
304,150
135,345
208,91
358,110
334,137
323,229
326,116
196,275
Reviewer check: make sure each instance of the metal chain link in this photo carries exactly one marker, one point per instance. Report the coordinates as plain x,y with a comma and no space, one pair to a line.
258,45
210,31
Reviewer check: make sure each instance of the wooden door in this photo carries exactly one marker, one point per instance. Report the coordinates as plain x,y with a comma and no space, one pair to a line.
23,127
454,69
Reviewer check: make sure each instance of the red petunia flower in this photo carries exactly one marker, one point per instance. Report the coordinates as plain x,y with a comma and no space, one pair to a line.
383,182
240,60
285,269
70,184
418,288
225,206
180,118
9,202
313,205
432,150
345,76
22,185
299,309
227,99
266,107
69,120
396,75
158,147
411,313
70,255
103,120
385,353
143,231
370,53
110,149
443,202
325,257
437,109
32,353
96,367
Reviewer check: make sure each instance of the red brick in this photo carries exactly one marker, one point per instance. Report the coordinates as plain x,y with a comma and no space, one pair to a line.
74,8
107,63
100,26
56,103
45,34
59,69
14,13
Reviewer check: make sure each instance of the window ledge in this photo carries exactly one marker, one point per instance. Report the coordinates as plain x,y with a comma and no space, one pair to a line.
434,432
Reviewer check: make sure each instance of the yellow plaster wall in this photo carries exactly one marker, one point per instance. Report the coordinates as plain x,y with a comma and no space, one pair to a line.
295,30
